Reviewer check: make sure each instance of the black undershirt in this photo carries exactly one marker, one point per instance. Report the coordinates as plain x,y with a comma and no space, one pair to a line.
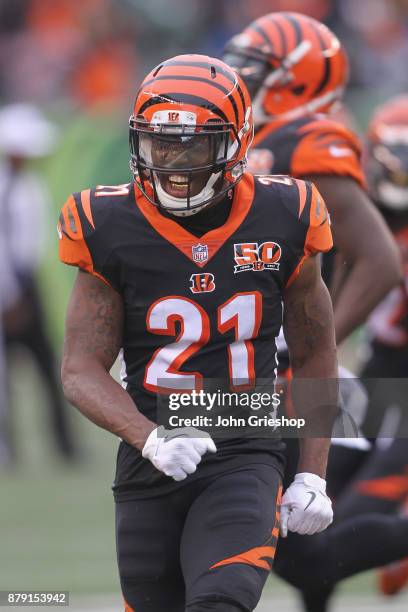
207,219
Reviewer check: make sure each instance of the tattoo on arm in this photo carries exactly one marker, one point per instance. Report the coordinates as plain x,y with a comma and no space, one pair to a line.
308,323
94,321
309,332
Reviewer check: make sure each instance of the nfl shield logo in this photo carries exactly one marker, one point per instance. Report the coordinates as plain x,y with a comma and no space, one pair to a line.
200,253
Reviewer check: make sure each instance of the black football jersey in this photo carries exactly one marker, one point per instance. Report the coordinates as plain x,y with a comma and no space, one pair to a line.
310,145
195,308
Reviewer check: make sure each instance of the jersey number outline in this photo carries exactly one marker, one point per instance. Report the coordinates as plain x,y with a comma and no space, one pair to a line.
268,179
242,314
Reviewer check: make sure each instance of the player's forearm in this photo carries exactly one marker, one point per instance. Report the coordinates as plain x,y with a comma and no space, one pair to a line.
315,398
365,286
314,454
309,330
103,401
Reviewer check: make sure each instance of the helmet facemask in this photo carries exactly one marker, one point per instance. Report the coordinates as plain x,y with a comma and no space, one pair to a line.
257,70
182,167
251,65
388,175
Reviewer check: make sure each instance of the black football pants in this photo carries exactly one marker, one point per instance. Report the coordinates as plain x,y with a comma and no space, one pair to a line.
208,546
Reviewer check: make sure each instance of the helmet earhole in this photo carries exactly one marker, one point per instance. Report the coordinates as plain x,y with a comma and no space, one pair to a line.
298,90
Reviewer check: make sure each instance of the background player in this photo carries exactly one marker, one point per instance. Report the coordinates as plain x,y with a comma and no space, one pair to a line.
27,136
294,67
378,490
382,484
205,543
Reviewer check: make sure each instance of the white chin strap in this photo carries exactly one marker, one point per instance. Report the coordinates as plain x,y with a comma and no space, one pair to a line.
394,198
174,204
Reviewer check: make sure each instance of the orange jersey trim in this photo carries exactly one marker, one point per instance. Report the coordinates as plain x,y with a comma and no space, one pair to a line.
319,238
73,249
296,271
329,149
302,195
127,607
183,240
390,487
86,205
311,155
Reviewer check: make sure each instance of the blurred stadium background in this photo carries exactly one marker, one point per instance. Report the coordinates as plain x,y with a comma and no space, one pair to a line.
81,63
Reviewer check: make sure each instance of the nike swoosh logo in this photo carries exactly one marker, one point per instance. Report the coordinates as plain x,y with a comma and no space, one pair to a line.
339,151
313,497
168,438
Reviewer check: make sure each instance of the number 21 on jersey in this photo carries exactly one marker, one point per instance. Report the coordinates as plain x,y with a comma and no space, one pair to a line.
241,315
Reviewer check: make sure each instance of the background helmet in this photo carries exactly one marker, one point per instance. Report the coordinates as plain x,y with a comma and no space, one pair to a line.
291,64
387,155
189,133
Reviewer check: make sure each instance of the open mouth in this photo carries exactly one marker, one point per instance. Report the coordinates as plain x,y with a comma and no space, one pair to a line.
176,185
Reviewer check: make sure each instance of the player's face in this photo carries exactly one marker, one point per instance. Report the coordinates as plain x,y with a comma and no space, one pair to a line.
177,154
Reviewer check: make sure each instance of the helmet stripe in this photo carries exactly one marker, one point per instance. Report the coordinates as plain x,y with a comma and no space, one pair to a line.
242,98
282,36
184,99
327,65
296,26
183,77
229,74
259,30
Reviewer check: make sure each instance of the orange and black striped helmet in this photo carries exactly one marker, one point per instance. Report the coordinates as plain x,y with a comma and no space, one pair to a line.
291,64
386,159
190,131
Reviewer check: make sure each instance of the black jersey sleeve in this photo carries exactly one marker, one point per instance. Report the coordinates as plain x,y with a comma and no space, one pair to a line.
299,219
84,236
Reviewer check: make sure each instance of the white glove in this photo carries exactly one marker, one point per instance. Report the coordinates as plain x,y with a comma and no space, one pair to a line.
305,508
177,452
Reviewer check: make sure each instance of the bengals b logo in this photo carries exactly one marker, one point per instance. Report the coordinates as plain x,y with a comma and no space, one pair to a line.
202,283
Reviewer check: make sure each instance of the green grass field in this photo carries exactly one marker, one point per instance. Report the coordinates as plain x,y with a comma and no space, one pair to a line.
56,521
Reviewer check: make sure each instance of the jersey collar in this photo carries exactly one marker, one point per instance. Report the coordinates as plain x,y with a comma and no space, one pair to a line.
183,240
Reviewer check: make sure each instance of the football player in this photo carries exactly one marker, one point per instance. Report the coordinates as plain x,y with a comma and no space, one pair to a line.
387,173
296,70
382,484
185,269
374,501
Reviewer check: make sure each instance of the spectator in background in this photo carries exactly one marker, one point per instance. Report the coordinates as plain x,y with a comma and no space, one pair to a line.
380,43
105,70
9,295
24,135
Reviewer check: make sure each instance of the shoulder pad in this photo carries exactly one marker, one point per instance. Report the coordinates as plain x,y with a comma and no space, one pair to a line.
319,237
81,219
327,147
